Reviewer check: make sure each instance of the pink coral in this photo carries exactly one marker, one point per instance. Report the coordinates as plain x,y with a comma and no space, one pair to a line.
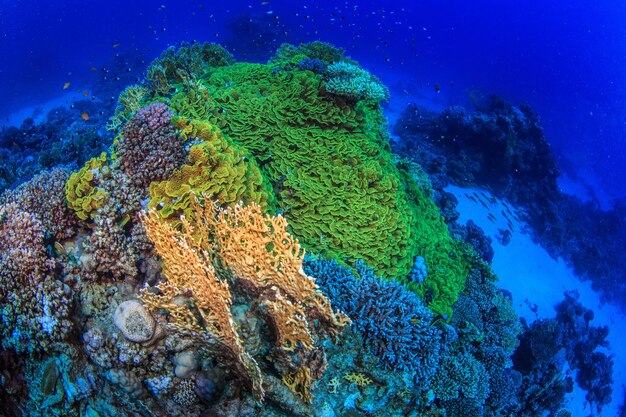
35,305
44,197
22,255
149,147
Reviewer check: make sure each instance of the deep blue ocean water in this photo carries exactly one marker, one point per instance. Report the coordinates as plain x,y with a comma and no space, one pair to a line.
567,60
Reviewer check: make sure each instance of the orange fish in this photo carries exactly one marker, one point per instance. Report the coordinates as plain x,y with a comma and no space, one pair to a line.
66,86
84,116
86,93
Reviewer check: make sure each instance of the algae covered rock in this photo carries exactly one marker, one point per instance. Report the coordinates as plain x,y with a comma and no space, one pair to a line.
134,321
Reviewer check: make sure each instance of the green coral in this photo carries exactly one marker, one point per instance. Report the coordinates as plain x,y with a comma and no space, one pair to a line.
216,167
82,190
194,102
130,100
328,165
182,64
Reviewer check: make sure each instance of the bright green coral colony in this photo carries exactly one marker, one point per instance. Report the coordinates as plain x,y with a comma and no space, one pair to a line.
274,134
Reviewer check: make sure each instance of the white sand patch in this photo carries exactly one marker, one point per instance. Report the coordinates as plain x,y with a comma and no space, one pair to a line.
537,283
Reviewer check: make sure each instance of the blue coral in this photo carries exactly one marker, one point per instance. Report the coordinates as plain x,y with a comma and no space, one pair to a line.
312,64
395,324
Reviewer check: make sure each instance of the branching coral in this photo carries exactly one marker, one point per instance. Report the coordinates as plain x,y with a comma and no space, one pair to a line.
354,82
259,250
34,307
396,326
149,148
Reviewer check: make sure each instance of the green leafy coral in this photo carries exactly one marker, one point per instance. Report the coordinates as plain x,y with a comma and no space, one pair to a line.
327,161
82,190
216,167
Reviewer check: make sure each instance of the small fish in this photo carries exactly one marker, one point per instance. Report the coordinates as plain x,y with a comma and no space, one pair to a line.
66,85
86,94
437,88
84,116
115,45
59,248
124,220
93,69
265,3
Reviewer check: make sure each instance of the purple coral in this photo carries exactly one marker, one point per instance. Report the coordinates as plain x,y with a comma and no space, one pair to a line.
149,147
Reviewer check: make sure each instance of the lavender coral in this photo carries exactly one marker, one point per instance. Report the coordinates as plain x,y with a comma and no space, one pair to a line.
149,147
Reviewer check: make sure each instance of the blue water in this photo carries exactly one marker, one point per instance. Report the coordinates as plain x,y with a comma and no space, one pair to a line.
566,60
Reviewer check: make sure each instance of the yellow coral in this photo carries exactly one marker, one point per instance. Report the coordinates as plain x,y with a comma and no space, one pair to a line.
82,192
215,168
299,382
259,250
358,378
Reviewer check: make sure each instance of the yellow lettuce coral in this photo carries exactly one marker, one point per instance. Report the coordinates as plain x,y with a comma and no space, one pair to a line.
216,168
82,189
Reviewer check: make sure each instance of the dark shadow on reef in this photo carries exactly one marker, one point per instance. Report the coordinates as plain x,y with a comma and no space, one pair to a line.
503,148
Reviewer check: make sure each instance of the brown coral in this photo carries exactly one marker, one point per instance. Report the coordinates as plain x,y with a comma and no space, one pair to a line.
149,147
258,249
261,255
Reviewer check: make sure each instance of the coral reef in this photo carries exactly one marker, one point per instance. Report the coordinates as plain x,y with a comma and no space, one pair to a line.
503,148
148,147
167,276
